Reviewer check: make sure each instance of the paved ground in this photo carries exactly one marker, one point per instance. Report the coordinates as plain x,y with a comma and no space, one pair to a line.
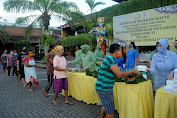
18,102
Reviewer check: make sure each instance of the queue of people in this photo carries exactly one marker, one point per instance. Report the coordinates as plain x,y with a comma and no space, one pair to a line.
162,62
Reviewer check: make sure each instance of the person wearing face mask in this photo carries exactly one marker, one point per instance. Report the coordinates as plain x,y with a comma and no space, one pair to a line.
30,69
4,61
20,65
14,64
78,54
175,45
99,54
120,60
108,73
88,60
132,57
163,64
9,62
60,75
50,69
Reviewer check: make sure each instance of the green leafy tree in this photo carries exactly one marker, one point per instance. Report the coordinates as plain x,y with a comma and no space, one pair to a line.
92,4
47,8
47,40
22,43
4,35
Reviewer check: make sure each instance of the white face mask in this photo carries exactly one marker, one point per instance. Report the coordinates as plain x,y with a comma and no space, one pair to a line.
11,52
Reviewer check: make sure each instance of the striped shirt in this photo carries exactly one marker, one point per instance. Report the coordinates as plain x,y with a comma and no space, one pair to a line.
106,77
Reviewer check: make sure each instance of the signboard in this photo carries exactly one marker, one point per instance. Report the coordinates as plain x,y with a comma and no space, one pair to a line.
145,28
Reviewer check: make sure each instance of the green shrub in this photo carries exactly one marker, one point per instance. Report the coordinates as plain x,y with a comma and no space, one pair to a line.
44,59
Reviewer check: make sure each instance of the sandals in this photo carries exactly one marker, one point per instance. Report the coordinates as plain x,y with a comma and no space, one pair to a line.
45,94
69,103
30,90
55,103
59,96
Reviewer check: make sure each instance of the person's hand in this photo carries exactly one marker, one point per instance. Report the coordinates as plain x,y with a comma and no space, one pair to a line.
67,69
134,72
68,62
170,76
99,63
36,67
102,58
85,67
148,69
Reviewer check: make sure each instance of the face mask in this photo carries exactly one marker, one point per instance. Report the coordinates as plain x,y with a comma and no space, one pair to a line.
120,55
161,50
15,54
31,54
175,46
5,52
11,52
24,50
62,53
52,51
129,46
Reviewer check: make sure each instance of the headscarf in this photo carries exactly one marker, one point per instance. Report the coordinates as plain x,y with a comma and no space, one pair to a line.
57,48
164,43
85,48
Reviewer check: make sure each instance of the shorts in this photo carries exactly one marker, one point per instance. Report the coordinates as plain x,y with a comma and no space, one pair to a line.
4,66
107,100
60,84
22,74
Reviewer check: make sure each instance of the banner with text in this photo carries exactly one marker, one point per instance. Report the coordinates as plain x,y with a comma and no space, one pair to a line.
145,28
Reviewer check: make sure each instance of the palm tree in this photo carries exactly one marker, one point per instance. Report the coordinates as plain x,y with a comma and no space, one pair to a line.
92,4
47,8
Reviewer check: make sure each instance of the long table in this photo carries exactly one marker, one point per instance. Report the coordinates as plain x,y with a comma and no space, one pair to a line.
131,101
165,104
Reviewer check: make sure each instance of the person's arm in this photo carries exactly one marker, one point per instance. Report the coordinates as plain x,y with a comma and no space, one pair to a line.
78,60
153,66
150,63
50,60
115,69
27,64
61,69
136,58
7,62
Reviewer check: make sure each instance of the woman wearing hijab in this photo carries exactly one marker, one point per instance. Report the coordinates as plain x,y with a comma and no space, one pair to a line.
132,57
78,54
163,64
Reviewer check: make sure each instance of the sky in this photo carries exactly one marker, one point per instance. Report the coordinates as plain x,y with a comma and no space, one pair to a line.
11,17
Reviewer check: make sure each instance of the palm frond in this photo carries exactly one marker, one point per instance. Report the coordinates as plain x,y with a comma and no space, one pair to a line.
26,20
19,6
98,3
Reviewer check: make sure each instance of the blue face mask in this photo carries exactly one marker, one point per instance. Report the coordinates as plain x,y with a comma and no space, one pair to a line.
129,46
15,54
161,50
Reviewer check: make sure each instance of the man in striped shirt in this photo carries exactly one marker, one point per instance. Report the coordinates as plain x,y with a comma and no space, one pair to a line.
107,74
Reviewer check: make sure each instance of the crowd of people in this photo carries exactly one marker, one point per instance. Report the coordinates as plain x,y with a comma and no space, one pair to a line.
162,65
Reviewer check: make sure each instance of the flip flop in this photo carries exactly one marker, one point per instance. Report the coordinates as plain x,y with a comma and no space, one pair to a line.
69,103
55,104
59,96
30,90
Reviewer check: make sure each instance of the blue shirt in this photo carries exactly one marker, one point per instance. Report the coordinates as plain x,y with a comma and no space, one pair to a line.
120,63
131,55
106,77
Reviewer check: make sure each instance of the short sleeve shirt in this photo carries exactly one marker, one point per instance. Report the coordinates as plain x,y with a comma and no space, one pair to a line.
59,62
21,58
14,60
49,65
106,78
9,57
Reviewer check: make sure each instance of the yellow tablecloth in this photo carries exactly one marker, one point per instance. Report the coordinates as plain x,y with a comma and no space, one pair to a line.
131,101
165,104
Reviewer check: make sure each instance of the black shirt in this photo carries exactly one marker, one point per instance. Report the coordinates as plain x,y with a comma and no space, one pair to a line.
21,59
